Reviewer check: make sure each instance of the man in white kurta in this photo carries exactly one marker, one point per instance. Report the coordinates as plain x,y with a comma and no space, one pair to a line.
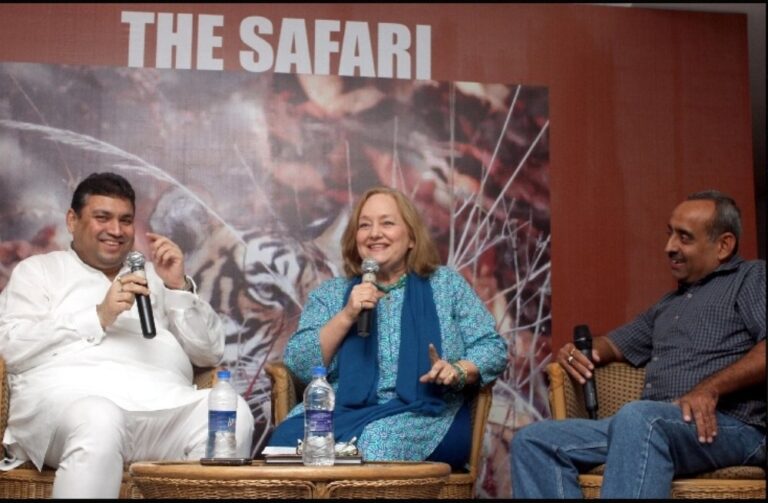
88,391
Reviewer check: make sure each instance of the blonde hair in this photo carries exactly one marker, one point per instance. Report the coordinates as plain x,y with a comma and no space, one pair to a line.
422,259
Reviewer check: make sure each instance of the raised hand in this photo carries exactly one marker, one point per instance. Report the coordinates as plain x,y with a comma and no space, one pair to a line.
441,372
168,260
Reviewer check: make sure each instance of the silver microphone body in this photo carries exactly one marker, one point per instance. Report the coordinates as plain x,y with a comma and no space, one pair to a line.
369,267
135,261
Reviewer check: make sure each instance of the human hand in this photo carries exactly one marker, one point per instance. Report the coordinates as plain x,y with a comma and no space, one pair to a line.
441,372
120,297
575,363
362,296
699,405
168,260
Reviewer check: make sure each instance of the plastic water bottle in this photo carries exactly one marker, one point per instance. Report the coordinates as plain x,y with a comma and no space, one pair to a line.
222,416
319,400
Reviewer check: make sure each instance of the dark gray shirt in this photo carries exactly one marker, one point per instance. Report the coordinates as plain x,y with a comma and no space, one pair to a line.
699,329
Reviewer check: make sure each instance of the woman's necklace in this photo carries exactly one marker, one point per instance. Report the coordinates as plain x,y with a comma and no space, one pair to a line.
388,288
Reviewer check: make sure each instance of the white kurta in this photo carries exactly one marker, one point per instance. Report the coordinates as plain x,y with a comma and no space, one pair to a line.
56,351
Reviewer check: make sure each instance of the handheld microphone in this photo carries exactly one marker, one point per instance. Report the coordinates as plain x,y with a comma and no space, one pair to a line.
370,267
582,339
135,260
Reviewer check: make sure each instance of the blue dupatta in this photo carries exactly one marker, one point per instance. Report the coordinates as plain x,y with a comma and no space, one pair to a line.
356,398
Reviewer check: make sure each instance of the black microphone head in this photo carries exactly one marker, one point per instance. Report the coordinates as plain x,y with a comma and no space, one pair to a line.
582,338
135,260
370,265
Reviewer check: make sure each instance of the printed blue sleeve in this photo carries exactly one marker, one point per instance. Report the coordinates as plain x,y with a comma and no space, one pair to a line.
472,322
302,352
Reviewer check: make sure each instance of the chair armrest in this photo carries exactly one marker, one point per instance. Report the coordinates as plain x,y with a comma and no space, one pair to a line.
4,398
205,377
287,390
555,391
563,401
480,408
617,383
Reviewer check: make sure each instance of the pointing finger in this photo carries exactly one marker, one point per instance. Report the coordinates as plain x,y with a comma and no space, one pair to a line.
433,356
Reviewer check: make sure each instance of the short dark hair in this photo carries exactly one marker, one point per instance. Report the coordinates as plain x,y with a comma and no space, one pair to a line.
727,215
102,184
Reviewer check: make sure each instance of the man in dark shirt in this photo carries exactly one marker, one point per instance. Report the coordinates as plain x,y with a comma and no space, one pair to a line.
703,346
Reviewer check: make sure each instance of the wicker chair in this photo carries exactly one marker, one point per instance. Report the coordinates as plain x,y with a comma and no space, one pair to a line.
25,481
618,383
460,485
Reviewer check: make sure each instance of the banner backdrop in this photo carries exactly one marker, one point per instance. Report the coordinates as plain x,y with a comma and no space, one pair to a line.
254,175
249,129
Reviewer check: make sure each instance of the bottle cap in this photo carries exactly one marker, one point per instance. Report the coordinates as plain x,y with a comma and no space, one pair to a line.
223,374
318,371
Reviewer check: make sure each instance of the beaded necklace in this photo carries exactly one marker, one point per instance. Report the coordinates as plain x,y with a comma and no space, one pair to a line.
388,288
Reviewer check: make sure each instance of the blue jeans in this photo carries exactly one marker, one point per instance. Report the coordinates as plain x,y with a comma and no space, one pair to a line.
644,445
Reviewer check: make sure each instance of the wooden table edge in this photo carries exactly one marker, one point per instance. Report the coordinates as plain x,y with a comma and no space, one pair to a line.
258,470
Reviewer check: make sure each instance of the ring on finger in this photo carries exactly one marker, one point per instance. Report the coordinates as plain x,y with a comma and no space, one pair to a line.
570,360
570,353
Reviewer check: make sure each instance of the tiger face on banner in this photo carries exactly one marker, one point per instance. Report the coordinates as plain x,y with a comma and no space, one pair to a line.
254,176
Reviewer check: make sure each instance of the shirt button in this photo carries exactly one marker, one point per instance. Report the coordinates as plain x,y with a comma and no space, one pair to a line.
677,317
648,385
655,358
689,295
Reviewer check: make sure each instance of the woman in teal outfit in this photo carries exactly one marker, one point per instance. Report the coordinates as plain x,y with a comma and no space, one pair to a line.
401,390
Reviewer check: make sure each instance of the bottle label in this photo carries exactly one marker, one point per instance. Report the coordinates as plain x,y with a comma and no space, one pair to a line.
320,421
221,420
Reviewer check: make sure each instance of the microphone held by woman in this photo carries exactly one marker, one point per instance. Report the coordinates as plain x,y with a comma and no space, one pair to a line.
370,267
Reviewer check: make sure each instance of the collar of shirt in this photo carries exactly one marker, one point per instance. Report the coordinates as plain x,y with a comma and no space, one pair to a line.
730,265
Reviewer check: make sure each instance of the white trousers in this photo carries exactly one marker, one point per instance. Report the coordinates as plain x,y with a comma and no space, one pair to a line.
95,438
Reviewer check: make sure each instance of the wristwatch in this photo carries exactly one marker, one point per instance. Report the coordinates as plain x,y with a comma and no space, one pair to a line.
188,285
